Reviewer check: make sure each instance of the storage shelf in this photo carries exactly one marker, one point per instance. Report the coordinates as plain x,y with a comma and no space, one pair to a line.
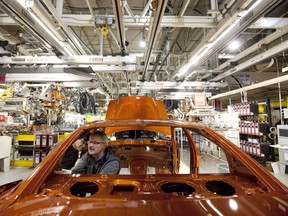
25,137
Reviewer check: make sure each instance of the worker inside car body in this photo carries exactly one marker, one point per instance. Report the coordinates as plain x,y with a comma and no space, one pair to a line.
97,160
74,152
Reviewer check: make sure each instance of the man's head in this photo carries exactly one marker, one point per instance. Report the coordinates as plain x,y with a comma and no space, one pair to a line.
98,142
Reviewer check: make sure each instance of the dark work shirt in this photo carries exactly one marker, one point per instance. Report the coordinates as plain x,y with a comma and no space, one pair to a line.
69,158
109,164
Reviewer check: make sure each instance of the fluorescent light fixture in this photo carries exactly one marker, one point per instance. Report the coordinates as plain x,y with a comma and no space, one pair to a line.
49,32
142,43
234,45
192,61
241,15
225,56
210,45
45,27
185,68
226,31
252,7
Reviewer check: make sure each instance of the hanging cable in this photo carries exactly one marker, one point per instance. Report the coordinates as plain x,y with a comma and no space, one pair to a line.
86,103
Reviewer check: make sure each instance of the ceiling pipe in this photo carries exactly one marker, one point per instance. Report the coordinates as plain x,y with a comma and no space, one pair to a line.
214,8
87,51
252,61
89,4
164,42
120,25
43,77
153,33
46,19
223,23
184,7
167,21
59,6
75,43
128,10
215,41
251,87
181,13
32,27
180,85
114,38
275,35
146,8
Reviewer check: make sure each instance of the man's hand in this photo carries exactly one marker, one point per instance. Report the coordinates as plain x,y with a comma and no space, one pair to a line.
79,145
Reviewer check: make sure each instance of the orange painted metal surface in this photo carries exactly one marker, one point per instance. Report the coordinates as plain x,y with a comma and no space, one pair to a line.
248,188
137,107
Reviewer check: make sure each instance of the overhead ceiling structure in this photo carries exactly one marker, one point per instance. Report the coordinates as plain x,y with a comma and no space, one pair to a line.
96,45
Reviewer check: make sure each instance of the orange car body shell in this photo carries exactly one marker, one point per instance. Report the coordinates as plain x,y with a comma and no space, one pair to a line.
137,107
46,192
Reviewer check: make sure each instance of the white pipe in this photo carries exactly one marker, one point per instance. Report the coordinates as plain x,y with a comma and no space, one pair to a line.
115,39
250,87
258,58
59,6
117,8
52,9
216,40
44,17
145,9
214,6
184,7
49,32
128,10
277,34
153,33
88,2
101,44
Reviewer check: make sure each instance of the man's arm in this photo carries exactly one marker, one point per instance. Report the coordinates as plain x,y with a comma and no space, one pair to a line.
80,166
